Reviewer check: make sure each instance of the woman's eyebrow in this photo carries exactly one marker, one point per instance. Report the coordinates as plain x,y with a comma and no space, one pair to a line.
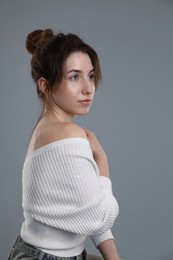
78,71
74,70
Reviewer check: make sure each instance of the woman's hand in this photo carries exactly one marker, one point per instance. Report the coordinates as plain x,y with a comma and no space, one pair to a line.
98,153
94,143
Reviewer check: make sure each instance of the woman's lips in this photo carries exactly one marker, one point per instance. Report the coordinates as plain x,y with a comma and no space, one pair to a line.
86,101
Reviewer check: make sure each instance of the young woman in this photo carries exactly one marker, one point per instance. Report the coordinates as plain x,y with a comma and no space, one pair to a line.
67,192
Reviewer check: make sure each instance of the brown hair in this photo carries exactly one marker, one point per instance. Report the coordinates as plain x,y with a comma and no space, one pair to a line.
49,53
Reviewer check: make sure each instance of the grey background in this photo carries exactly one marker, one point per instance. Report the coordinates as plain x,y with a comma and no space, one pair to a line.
132,113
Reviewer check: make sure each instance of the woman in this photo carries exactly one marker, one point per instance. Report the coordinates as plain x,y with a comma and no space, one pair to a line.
67,192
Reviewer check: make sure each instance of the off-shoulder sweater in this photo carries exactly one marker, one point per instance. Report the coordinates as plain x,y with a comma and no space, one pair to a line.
64,198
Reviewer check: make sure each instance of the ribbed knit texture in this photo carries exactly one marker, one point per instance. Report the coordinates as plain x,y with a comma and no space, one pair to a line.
62,189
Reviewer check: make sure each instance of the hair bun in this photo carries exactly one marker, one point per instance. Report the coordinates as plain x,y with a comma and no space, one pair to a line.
38,39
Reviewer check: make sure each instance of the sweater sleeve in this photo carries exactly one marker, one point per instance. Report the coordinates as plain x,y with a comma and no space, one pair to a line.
105,236
62,188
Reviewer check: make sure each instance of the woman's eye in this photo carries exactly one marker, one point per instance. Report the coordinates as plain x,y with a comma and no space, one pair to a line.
74,77
92,77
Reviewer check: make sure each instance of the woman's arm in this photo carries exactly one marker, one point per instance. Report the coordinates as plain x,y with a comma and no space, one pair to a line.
108,250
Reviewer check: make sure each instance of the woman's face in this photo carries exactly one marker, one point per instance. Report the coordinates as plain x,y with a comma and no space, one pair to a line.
75,93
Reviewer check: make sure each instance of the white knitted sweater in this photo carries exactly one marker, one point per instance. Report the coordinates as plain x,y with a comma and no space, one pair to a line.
65,199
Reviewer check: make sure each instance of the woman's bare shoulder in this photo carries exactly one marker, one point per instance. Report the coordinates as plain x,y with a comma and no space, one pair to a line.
46,134
58,131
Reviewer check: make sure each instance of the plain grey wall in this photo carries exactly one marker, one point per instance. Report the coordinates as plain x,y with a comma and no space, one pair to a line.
132,114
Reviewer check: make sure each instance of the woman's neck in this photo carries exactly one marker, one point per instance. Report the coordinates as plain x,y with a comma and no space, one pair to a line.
56,115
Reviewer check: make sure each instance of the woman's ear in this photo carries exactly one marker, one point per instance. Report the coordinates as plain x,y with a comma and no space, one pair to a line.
42,84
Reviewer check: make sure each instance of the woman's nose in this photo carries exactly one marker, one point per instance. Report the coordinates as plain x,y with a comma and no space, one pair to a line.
88,87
